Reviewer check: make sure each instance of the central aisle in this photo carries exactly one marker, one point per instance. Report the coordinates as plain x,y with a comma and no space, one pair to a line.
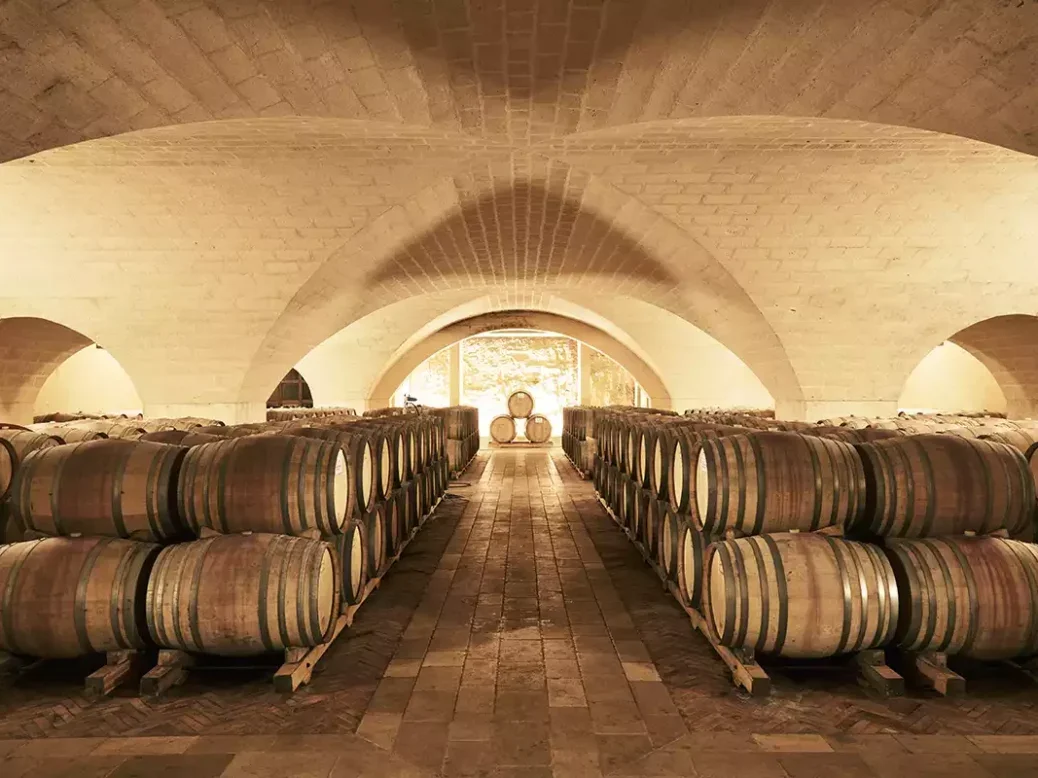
521,652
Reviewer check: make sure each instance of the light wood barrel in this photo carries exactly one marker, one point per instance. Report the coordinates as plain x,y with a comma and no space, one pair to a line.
242,595
538,429
25,442
360,461
283,484
804,595
110,488
67,597
394,532
123,430
929,485
777,481
71,434
502,429
670,531
520,404
972,596
689,560
186,438
351,559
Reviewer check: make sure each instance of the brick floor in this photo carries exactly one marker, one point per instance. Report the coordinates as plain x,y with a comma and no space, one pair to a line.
521,635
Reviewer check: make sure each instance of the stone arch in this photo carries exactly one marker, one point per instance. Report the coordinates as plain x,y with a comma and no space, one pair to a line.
557,231
1007,345
394,373
31,349
293,390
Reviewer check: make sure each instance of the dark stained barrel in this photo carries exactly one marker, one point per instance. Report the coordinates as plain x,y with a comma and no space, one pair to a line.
186,438
243,595
977,597
1022,440
360,459
777,481
110,488
68,597
282,484
930,485
9,460
803,595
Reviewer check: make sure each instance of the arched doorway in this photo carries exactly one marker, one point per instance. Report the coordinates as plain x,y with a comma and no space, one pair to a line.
292,392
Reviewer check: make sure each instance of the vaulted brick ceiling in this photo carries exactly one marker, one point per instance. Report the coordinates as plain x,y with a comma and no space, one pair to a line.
72,70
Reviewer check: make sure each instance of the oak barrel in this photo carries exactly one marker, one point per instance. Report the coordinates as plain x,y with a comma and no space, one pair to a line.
1022,440
351,561
777,481
538,429
71,434
520,404
283,484
67,597
689,560
375,524
930,485
110,488
242,595
186,438
502,429
804,595
9,460
972,596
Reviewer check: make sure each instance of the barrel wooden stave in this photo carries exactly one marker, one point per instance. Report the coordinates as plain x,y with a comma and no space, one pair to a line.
801,595
243,595
68,597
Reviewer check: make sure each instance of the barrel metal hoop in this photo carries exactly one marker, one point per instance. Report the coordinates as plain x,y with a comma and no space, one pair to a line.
1027,558
971,593
79,611
765,601
117,493
282,583
816,478
729,592
194,597
741,496
55,494
6,609
762,482
845,586
926,582
263,602
286,479
122,628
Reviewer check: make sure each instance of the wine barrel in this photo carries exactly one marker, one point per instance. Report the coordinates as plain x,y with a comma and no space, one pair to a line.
520,404
25,442
538,429
284,484
802,595
977,597
1022,440
9,460
110,488
361,466
186,438
928,485
242,595
124,430
375,524
689,558
502,429
67,597
394,532
351,554
777,481
70,434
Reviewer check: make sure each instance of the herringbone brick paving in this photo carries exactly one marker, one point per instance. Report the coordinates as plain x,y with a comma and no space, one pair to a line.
521,635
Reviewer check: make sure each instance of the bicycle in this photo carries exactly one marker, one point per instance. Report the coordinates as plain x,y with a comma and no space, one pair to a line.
411,404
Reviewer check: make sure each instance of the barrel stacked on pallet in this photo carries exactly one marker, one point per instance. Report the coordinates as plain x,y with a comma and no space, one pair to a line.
462,430
536,428
329,413
579,440
757,524
296,521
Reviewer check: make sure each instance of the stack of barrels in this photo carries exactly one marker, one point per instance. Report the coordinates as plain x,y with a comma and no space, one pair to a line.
578,436
537,428
816,540
462,428
232,540
329,413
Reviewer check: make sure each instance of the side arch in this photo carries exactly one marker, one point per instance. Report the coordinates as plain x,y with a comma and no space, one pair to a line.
395,373
1008,347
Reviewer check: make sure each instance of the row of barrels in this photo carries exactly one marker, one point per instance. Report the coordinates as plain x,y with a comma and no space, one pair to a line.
284,569
461,423
295,413
752,482
811,594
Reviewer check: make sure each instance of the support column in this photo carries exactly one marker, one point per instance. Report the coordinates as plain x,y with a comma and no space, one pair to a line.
455,374
584,372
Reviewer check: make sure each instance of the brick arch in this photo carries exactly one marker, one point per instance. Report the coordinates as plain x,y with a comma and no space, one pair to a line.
400,367
31,349
553,228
